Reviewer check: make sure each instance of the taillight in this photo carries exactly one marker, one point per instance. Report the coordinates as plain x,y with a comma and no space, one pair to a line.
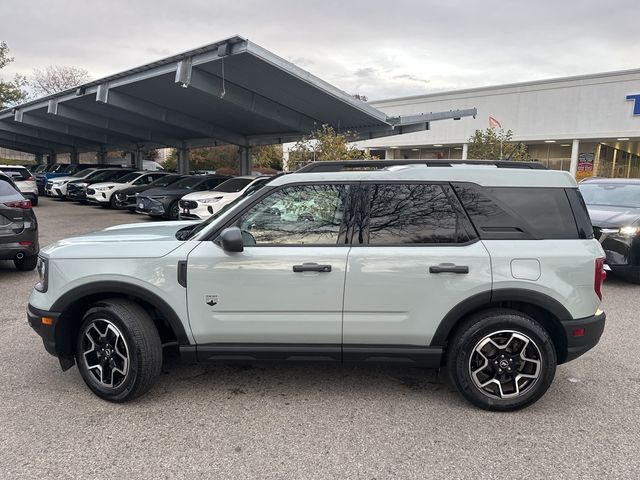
600,276
19,204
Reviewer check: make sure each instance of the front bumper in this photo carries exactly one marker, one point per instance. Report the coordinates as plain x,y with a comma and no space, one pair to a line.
583,334
46,332
150,206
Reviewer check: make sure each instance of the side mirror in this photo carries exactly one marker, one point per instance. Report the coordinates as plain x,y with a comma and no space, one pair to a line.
231,240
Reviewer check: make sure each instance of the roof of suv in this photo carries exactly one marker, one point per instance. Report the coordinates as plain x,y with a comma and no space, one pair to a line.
486,175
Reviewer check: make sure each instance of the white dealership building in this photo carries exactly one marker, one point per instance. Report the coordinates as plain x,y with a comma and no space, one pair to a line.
589,122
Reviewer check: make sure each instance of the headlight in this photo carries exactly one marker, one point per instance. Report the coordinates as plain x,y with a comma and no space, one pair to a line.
209,200
43,272
103,189
159,197
59,183
82,185
629,230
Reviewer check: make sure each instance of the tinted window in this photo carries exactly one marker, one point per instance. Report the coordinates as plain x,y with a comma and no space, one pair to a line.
412,213
15,173
188,182
233,185
518,212
611,194
128,177
165,180
297,215
213,183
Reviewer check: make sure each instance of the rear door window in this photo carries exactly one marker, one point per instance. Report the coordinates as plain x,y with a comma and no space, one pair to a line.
411,214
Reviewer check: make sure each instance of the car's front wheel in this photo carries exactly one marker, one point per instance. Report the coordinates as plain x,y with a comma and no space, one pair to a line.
501,360
174,211
118,350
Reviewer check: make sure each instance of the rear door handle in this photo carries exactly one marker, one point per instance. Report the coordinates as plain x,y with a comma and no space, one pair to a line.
311,267
448,268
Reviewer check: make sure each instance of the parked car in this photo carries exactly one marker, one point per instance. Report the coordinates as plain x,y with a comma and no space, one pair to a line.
24,180
492,272
18,227
77,189
126,198
201,205
614,208
57,187
102,193
163,202
57,171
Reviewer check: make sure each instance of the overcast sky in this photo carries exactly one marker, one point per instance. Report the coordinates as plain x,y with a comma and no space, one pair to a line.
380,49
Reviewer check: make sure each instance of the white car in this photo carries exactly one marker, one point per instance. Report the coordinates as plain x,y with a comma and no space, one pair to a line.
202,205
490,271
57,187
103,193
23,179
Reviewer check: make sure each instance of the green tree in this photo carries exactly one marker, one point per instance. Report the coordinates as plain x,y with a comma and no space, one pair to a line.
492,144
10,92
324,144
267,157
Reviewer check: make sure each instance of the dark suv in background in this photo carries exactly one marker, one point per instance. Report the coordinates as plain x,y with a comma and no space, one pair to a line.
614,208
164,202
18,227
126,199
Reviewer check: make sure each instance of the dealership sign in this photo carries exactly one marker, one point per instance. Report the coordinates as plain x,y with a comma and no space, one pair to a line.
636,103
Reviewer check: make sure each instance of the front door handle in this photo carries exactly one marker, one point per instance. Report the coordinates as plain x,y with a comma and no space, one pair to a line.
448,268
311,267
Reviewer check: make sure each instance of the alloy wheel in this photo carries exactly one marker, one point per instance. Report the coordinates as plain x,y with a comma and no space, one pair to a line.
105,353
505,364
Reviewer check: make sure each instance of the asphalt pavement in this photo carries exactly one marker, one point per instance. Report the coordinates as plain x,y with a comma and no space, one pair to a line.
307,421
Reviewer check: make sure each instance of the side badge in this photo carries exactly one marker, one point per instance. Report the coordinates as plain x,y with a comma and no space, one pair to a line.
211,300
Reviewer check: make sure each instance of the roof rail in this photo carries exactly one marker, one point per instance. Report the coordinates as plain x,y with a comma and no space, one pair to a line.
345,165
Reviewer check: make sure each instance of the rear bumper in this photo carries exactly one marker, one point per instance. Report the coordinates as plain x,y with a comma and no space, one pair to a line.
583,334
10,245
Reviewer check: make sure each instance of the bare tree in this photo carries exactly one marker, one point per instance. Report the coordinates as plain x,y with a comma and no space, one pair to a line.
56,78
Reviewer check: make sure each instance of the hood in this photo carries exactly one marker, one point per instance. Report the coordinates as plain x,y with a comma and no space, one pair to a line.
211,194
605,216
135,189
135,240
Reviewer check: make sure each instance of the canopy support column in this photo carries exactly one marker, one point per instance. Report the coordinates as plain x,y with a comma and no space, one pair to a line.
183,161
245,161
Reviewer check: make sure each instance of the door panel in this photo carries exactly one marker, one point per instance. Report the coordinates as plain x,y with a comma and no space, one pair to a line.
260,299
287,285
391,298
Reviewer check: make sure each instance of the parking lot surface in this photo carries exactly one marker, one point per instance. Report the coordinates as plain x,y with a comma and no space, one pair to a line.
307,421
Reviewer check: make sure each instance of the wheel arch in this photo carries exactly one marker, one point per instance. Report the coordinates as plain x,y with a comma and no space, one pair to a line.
77,301
542,308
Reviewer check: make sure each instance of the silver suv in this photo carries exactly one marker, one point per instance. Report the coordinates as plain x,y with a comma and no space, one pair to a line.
487,269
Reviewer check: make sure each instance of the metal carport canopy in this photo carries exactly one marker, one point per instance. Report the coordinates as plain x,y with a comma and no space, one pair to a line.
229,92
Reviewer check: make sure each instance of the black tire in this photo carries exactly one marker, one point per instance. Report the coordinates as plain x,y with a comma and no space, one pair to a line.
174,211
34,201
112,201
26,263
137,339
500,325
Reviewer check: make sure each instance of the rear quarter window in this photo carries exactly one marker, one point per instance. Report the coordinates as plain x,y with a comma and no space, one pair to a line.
6,189
519,212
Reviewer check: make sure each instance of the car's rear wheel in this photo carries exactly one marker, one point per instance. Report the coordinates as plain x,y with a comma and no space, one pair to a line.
26,263
501,360
118,350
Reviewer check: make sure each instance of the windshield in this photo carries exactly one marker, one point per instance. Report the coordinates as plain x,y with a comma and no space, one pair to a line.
233,185
611,194
129,177
189,182
105,174
165,180
83,173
